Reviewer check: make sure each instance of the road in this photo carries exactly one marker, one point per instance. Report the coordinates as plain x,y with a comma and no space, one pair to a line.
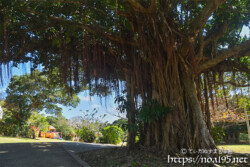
75,147
35,155
43,154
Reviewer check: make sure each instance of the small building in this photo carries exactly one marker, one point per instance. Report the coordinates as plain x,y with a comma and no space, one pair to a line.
52,128
51,133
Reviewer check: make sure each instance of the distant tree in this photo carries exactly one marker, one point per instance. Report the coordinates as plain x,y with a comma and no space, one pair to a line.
121,123
92,120
63,125
77,122
39,121
52,120
33,92
8,122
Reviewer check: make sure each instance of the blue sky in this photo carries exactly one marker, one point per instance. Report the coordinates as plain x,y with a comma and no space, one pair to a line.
102,105
245,31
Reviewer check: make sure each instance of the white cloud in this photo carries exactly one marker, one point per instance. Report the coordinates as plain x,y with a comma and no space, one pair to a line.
114,109
95,106
85,98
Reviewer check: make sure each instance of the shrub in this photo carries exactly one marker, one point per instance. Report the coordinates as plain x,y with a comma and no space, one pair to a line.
217,133
112,134
244,136
8,130
87,135
62,125
124,136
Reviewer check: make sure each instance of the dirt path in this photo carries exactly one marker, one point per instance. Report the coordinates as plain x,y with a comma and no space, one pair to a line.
35,155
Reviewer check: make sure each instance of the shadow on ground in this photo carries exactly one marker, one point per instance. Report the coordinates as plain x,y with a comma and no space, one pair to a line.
35,154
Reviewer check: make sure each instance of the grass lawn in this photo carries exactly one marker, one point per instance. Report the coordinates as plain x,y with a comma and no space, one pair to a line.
27,140
236,148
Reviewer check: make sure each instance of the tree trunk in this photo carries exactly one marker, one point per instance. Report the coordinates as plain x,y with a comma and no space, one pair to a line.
130,111
185,126
206,138
207,111
160,72
248,128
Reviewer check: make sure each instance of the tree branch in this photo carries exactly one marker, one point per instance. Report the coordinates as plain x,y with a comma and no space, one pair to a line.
216,33
233,83
6,37
139,8
95,30
201,19
244,47
230,66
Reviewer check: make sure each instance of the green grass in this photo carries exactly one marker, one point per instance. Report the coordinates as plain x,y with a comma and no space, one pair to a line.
27,140
236,148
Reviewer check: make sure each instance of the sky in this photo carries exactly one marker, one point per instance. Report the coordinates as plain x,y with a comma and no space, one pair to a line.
245,31
103,106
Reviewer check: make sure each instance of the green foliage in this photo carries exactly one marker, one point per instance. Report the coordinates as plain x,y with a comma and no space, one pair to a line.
31,133
121,123
152,111
244,137
244,103
8,129
39,121
112,134
52,120
32,93
8,125
137,139
122,102
63,125
134,163
217,133
236,128
87,134
124,136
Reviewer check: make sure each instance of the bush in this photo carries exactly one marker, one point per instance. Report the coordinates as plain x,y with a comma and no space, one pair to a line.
124,136
217,133
31,133
112,135
87,135
8,129
62,125
244,136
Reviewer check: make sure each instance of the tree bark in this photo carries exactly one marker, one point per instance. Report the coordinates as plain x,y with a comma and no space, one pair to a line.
206,138
130,111
248,128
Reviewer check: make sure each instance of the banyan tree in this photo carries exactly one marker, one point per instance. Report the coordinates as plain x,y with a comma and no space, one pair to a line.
171,53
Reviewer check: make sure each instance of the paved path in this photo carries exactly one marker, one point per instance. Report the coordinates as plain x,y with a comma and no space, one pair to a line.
35,155
75,147
45,154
